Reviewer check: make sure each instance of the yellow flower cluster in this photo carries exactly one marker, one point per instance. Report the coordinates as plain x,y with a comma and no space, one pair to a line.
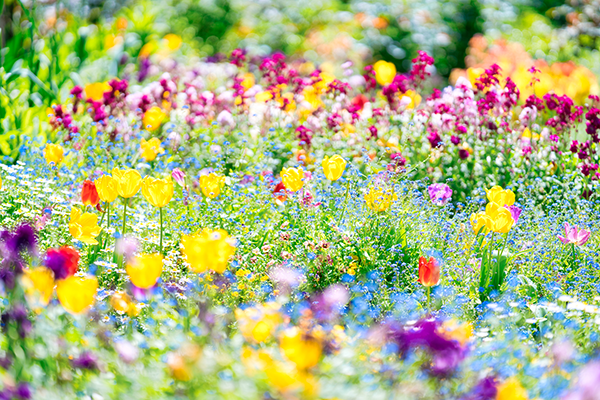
258,323
496,217
380,198
208,250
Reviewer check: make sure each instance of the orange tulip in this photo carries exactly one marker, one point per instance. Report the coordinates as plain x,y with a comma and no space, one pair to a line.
89,194
429,271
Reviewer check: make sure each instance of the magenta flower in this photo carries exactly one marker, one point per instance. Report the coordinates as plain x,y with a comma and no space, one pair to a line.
574,235
179,176
440,193
515,212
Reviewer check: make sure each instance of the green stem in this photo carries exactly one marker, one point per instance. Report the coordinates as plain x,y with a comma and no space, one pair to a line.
429,300
573,253
161,229
497,280
124,217
345,202
107,223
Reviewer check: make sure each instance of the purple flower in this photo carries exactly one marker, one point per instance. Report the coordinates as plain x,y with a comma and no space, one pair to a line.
18,317
587,384
574,235
144,68
127,351
86,360
127,247
440,193
23,239
23,391
515,212
328,304
446,354
484,390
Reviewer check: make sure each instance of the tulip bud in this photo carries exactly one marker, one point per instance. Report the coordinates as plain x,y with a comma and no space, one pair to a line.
292,178
158,192
106,186
53,153
89,194
129,182
179,177
334,167
429,271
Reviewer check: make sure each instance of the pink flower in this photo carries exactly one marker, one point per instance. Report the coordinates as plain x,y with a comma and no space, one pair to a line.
574,235
179,176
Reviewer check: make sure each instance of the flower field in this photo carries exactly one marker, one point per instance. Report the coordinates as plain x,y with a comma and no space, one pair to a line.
246,200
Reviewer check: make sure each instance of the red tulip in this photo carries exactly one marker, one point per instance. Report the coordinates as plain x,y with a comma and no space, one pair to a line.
279,192
89,194
429,271
63,262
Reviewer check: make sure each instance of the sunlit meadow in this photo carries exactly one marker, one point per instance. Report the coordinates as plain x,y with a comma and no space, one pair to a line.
193,206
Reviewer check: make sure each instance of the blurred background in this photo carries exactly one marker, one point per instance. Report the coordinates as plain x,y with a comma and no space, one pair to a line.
58,43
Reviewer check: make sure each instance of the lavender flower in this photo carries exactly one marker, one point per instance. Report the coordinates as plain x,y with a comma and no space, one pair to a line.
86,360
440,193
515,212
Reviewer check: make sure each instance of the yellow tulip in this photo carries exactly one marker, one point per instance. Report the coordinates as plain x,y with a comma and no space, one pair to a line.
292,178
40,279
76,294
379,198
129,182
0,183
145,269
173,41
54,153
106,186
208,250
501,196
211,185
502,220
385,72
95,91
84,227
511,389
481,222
151,148
303,350
334,167
122,303
158,192
153,118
